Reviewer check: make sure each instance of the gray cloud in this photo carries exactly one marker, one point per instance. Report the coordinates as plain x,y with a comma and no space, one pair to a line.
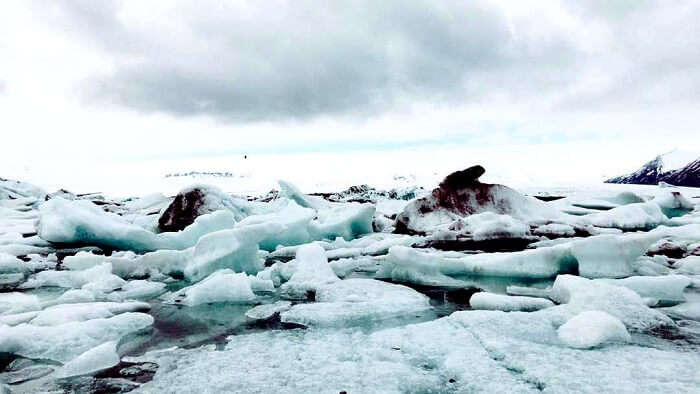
296,60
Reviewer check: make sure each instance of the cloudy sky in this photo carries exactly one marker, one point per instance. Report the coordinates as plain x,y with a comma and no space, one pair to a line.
86,84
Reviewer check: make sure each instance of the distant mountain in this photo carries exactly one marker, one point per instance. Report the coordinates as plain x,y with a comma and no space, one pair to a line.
676,168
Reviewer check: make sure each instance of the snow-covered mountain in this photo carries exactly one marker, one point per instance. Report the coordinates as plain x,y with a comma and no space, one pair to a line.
678,168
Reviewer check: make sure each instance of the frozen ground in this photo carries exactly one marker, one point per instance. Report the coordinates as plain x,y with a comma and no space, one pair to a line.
593,289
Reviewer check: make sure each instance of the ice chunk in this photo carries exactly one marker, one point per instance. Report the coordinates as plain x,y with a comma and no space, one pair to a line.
140,289
344,267
98,278
686,310
343,220
409,265
11,264
489,225
66,341
131,265
312,271
580,294
11,303
235,249
689,265
291,192
293,218
592,328
609,256
94,360
356,301
499,302
221,286
555,229
640,216
61,314
663,288
673,203
266,311
80,221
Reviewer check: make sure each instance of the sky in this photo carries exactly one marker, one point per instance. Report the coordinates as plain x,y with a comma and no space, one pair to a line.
94,94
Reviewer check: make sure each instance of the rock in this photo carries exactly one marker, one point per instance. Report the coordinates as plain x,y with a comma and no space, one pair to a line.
195,201
658,171
461,194
182,212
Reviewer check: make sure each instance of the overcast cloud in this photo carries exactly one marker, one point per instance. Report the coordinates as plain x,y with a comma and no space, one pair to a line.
243,61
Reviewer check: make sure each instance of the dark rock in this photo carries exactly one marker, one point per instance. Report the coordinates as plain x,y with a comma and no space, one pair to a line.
462,194
182,212
461,179
668,249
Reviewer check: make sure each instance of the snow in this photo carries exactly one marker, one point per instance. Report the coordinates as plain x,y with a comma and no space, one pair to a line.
221,286
677,159
499,302
94,360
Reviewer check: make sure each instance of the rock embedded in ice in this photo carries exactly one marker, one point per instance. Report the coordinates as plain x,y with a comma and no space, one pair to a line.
592,328
311,271
195,201
94,360
267,311
505,303
460,195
